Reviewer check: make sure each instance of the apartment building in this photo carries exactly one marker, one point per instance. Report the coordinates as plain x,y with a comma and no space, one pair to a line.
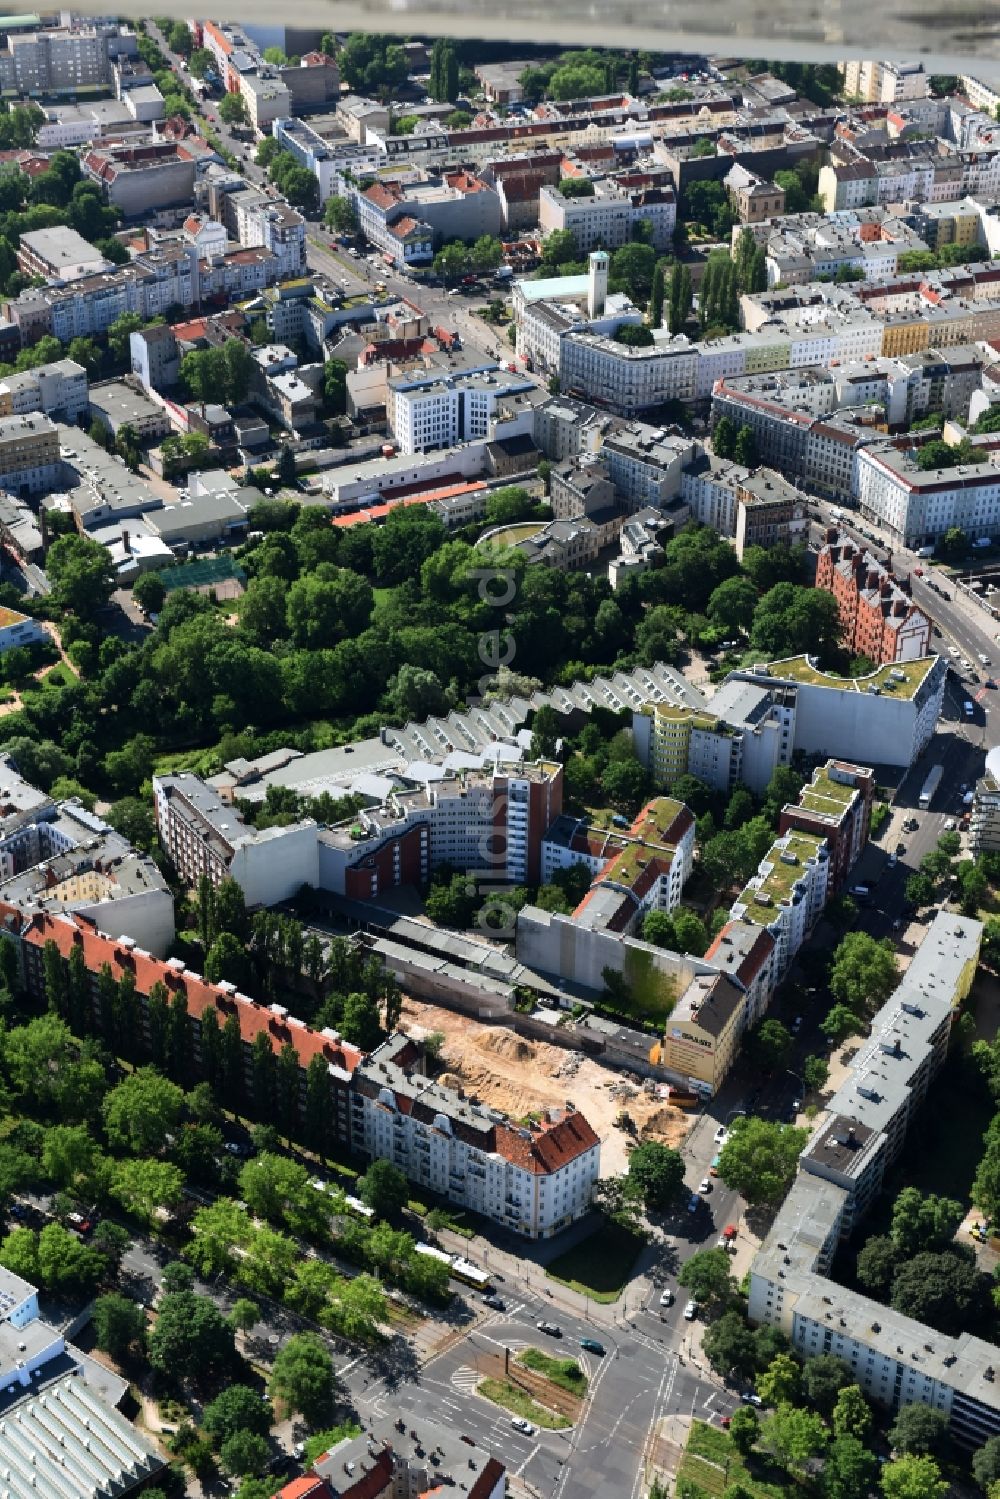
835,805
29,454
896,1360
563,428
985,820
534,1179
917,506
428,411
646,463
277,227
639,869
892,711
708,485
884,82
769,512
788,892
139,179
203,835
122,954
755,199
57,61
714,1011
489,820
59,390
606,220
329,158
738,737
878,617
266,97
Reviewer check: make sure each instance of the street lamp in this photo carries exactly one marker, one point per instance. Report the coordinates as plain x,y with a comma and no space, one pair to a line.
733,1113
800,1080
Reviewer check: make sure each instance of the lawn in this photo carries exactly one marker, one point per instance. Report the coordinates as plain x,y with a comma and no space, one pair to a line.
711,1463
599,1266
502,1392
565,1372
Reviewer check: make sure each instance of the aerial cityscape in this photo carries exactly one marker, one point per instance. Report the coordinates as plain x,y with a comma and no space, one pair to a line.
499,769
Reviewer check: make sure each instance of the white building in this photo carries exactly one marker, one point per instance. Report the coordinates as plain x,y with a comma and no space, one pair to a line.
892,712
533,1180
788,892
203,835
59,389
435,411
896,1360
919,505
606,219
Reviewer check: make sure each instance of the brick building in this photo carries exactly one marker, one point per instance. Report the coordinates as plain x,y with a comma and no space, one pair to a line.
877,615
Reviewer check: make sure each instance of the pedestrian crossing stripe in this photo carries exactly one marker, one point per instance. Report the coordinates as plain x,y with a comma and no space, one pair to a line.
465,1379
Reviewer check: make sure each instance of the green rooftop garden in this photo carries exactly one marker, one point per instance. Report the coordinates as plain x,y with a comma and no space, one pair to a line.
886,678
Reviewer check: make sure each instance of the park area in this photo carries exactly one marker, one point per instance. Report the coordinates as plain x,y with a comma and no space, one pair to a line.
522,1077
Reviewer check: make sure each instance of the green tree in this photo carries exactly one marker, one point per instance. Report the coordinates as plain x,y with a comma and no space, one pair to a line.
706,1275
142,1110
731,605
841,1022
780,1382
744,1430
244,1453
849,1470
759,1159
655,1175
986,1463
236,1408
302,1378
795,1436
82,575
658,928
922,1222
730,1347
815,1074
919,1430
877,1263
912,1477
143,1186
656,296
339,215
944,1289
769,1046
191,1337
119,1326
823,1379
852,1416
233,109
384,1189
863,973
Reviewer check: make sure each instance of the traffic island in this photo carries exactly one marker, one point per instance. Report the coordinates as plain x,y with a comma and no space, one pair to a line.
544,1390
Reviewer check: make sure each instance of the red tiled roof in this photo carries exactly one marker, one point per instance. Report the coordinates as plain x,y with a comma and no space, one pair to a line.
309,1484
547,1147
383,195
487,1480
379,512
254,1019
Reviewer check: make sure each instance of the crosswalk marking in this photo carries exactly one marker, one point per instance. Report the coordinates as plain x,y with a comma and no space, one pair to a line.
465,1379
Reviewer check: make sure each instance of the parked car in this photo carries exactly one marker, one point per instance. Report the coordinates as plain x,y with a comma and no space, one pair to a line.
694,1201
705,1185
552,1329
721,1135
690,1311
750,1397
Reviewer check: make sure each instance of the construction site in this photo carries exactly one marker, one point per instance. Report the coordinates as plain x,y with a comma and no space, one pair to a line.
522,1077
